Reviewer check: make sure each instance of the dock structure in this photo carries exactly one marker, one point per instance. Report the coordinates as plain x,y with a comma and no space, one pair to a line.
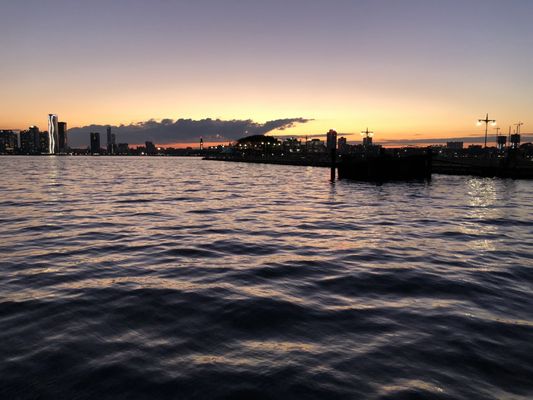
369,161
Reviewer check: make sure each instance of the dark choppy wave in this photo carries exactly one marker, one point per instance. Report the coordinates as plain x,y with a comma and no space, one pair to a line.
170,278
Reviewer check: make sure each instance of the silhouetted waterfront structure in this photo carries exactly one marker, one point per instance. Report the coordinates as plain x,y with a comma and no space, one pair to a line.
515,141
111,142
8,142
34,131
331,140
343,145
454,145
331,145
62,137
501,141
513,161
150,148
95,142
30,141
367,138
123,149
44,143
316,146
26,142
371,162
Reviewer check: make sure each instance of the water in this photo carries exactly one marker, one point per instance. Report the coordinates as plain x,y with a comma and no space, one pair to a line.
164,278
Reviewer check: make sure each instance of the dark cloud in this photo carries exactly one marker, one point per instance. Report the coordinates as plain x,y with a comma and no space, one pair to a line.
169,131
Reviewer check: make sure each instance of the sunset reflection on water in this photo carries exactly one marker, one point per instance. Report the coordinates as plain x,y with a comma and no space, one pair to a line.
180,273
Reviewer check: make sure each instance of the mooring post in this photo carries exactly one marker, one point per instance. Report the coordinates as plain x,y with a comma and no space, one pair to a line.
331,145
333,163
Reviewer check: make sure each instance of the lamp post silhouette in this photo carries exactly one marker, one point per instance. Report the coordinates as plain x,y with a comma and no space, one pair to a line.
520,123
486,121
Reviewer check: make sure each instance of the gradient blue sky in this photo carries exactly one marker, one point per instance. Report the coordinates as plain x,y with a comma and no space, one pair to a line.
404,68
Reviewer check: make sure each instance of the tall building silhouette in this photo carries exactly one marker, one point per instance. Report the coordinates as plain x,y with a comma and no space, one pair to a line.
331,140
53,140
44,142
95,142
8,142
111,144
343,145
36,134
26,142
150,148
30,141
62,136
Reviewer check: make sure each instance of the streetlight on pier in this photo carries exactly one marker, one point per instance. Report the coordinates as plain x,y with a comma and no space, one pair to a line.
497,129
486,121
520,123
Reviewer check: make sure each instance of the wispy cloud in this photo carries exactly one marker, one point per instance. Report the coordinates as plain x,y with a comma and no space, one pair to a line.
169,131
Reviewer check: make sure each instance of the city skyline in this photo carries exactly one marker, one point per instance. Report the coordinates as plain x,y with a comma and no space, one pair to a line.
410,70
216,132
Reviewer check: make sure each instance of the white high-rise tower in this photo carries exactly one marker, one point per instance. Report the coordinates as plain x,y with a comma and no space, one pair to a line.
53,142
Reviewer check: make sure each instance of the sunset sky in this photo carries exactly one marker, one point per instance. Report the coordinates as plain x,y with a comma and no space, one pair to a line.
405,69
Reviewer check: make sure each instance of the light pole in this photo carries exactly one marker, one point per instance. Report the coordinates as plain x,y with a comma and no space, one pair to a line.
486,121
520,123
497,129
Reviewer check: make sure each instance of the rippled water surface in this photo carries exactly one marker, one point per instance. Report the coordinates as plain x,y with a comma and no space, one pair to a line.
167,278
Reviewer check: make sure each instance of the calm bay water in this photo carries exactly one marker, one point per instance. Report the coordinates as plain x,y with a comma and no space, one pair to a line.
180,278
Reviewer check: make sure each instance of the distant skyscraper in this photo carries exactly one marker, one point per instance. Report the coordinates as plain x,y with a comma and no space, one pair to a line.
150,148
36,146
111,144
8,142
331,141
53,140
30,141
343,145
44,142
62,136
95,142
26,142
